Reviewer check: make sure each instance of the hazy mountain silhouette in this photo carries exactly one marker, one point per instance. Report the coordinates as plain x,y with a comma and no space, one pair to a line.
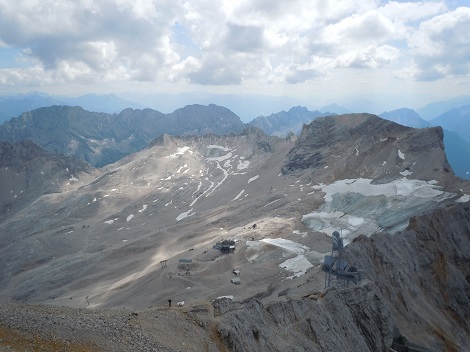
285,122
16,104
100,138
434,109
455,120
405,117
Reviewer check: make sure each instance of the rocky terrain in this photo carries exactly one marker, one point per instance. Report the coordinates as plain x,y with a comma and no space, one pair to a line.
93,265
457,146
27,171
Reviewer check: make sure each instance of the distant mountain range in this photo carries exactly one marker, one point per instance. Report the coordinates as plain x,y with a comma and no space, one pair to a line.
282,123
405,117
247,106
455,120
435,109
14,105
101,138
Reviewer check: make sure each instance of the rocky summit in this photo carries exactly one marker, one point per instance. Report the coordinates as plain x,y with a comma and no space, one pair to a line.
217,243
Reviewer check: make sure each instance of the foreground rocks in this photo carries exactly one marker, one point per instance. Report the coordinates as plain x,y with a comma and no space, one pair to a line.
352,319
424,274
333,320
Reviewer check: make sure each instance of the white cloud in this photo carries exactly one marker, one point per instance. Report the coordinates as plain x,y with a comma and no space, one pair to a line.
441,47
371,27
89,35
34,76
368,57
244,38
412,11
228,43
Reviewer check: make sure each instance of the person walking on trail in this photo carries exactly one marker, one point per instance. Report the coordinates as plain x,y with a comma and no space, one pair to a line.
169,303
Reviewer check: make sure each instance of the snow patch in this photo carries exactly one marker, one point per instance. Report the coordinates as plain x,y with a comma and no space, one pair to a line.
184,215
401,187
391,210
130,217
243,164
465,198
298,265
253,178
288,245
239,195
401,155
179,151
297,232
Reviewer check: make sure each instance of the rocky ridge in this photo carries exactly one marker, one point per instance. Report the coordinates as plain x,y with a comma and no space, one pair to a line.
313,323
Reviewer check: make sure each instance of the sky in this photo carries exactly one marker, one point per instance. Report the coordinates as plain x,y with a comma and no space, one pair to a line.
320,51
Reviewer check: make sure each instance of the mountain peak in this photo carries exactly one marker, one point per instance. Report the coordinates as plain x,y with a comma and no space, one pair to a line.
364,145
406,117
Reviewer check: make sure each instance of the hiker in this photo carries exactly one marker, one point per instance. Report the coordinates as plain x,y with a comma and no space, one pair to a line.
169,303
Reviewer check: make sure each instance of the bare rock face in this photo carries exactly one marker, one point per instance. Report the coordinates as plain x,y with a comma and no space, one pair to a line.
335,320
27,171
423,274
364,145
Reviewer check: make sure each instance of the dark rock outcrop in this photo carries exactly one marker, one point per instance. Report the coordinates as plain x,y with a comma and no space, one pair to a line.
353,319
424,276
